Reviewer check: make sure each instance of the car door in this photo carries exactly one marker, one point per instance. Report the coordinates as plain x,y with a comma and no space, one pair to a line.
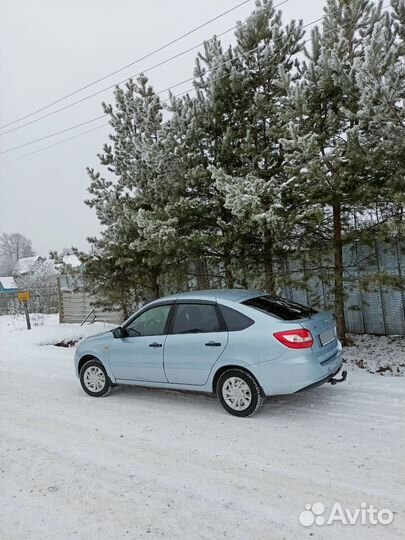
139,355
196,341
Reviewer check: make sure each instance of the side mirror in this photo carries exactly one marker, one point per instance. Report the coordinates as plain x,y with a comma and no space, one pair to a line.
120,332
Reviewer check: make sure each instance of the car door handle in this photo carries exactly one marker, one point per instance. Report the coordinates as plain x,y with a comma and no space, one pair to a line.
154,344
213,344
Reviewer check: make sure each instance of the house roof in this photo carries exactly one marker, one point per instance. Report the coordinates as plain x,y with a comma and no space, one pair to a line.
72,260
24,265
8,283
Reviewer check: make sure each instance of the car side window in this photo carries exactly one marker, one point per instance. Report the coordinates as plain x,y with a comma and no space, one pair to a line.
150,323
196,318
235,320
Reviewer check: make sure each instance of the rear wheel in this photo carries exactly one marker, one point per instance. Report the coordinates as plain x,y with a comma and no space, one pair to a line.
239,393
94,379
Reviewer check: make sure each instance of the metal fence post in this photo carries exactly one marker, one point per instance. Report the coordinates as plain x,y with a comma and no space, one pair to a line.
397,249
359,286
377,256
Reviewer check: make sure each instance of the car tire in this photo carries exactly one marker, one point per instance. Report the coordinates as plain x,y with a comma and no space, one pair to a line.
239,393
94,379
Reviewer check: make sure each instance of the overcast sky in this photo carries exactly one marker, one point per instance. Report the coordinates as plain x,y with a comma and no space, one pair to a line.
49,49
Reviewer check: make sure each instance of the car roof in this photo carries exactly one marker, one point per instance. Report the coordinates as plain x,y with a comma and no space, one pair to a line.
233,295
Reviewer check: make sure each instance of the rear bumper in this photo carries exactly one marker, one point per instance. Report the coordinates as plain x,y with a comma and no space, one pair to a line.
328,379
288,375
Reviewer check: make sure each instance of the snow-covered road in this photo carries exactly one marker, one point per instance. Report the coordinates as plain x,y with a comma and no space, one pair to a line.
151,464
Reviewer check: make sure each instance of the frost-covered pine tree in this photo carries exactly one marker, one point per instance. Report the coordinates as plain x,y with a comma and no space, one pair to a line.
381,82
269,154
128,249
188,199
203,126
267,57
328,174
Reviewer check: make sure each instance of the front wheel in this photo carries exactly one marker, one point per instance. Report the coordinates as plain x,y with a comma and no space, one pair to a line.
94,379
239,393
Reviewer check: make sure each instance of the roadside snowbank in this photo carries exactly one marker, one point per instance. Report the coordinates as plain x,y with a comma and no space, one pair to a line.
46,329
383,355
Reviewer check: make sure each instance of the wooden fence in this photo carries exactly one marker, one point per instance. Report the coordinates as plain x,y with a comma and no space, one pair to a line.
76,305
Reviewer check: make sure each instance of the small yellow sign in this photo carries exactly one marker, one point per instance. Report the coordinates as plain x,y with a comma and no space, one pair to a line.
23,296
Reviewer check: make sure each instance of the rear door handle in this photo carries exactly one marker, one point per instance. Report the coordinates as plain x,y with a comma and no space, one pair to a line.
155,345
213,344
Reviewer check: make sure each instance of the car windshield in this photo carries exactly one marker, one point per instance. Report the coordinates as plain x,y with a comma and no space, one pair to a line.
280,307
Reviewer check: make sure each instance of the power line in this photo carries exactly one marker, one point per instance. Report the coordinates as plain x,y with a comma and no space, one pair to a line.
98,92
101,91
53,134
148,55
55,144
157,93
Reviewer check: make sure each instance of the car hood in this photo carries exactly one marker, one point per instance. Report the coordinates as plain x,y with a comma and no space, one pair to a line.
102,336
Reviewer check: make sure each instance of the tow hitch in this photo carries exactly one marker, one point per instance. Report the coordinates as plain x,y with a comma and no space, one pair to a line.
342,378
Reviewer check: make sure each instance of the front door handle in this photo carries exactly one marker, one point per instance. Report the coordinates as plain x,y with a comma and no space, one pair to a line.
155,345
213,344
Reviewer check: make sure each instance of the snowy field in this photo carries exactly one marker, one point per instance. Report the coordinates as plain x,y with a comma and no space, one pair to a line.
157,464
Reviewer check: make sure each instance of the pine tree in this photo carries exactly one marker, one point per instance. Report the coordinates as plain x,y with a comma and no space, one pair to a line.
267,56
201,127
269,155
326,163
125,198
381,81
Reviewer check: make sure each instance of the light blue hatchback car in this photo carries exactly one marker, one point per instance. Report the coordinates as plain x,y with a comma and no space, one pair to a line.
243,345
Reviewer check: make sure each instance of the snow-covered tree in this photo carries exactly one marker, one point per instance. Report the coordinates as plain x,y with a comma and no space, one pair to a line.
206,140
271,153
328,172
267,52
381,81
41,282
13,247
129,192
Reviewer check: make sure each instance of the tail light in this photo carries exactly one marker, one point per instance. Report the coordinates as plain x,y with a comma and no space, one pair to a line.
295,339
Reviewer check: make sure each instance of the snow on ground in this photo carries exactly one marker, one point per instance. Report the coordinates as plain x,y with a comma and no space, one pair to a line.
143,463
384,355
47,331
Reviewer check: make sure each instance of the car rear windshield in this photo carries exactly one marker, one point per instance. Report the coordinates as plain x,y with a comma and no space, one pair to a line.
280,307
